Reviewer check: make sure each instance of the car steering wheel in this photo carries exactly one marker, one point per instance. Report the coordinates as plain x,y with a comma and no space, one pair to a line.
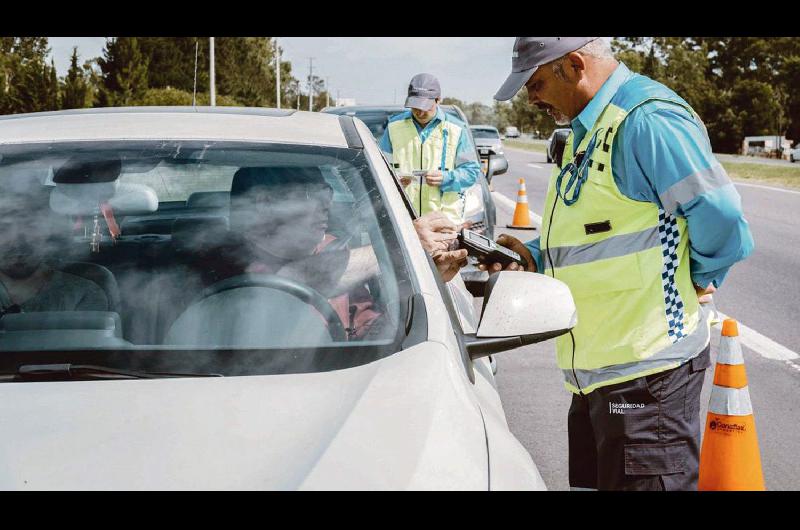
287,285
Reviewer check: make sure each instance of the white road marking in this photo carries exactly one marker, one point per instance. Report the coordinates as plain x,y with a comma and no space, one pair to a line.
738,183
537,166
508,203
764,346
790,364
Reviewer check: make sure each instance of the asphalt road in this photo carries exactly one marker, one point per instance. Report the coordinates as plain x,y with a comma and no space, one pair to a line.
762,293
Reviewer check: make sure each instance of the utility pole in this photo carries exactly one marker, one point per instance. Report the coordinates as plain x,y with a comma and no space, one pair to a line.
327,92
277,74
310,83
194,88
212,79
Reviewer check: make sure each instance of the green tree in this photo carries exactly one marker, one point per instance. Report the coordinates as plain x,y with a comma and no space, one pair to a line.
27,82
171,62
791,80
453,101
124,72
76,93
245,69
176,97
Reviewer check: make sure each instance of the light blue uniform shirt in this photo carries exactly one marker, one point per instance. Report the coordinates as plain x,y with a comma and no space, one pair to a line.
662,155
467,169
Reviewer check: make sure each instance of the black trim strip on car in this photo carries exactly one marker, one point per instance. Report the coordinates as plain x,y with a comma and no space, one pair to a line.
350,132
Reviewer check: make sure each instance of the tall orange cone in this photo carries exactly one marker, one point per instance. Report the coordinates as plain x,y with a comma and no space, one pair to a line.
522,217
730,459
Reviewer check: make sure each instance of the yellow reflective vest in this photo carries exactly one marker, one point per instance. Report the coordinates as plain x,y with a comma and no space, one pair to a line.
438,151
626,263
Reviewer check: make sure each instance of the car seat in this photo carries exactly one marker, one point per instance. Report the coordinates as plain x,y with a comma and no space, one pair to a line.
98,274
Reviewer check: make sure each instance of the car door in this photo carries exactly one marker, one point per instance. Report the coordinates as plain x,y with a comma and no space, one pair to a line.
510,465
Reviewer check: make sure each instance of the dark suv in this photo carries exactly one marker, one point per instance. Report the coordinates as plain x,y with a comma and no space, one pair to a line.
555,145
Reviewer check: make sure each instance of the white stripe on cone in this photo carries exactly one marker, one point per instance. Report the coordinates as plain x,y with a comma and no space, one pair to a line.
730,401
730,351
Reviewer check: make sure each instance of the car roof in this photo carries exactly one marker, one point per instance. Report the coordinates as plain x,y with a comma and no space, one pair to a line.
185,123
492,127
364,108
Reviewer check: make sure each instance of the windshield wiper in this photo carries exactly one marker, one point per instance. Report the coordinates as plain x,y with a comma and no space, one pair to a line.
55,372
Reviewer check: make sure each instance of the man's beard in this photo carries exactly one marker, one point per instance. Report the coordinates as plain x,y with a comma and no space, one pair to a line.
559,117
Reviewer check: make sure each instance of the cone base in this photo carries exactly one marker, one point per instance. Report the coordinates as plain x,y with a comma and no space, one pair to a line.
521,227
730,459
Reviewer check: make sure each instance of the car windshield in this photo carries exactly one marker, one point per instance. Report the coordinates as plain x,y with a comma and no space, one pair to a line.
226,257
375,121
485,133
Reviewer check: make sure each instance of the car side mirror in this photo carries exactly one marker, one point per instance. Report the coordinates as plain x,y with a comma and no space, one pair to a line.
521,308
497,166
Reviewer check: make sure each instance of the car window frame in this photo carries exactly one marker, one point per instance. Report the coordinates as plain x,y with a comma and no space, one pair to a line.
407,288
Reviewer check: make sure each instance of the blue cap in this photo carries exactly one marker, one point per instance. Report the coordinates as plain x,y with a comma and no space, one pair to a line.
423,89
532,52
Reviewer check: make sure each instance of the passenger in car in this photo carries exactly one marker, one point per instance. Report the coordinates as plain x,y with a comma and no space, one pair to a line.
30,235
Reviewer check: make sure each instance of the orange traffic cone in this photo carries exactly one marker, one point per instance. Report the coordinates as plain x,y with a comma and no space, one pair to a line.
730,459
522,217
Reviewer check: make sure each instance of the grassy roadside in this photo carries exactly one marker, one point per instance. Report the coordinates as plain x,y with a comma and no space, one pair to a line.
525,146
770,175
782,176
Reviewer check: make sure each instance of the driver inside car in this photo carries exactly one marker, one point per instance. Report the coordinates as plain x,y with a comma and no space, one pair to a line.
281,216
30,235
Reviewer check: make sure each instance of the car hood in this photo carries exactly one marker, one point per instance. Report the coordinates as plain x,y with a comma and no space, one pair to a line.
399,423
487,142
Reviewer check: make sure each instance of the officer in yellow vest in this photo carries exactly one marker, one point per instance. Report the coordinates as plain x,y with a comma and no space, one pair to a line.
642,223
431,151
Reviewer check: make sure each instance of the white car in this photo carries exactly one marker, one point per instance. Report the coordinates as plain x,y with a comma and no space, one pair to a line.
209,366
794,154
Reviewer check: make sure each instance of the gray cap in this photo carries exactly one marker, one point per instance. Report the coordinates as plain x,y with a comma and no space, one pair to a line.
532,52
422,90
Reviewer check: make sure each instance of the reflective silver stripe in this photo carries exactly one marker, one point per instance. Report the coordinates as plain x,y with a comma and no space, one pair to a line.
695,184
612,247
677,353
730,401
730,351
575,488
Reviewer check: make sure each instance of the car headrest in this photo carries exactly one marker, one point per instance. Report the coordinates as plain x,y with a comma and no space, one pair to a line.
209,199
83,169
247,178
82,199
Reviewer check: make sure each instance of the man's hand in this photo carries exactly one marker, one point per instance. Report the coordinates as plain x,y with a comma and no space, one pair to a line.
704,296
438,236
405,180
517,246
436,232
448,263
434,178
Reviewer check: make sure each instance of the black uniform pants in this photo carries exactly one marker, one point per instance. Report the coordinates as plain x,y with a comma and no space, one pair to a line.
642,434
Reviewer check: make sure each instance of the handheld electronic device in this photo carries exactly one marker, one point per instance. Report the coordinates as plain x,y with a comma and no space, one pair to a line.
486,250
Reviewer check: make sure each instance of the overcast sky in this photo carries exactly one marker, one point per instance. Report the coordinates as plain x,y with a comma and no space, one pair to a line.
373,70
